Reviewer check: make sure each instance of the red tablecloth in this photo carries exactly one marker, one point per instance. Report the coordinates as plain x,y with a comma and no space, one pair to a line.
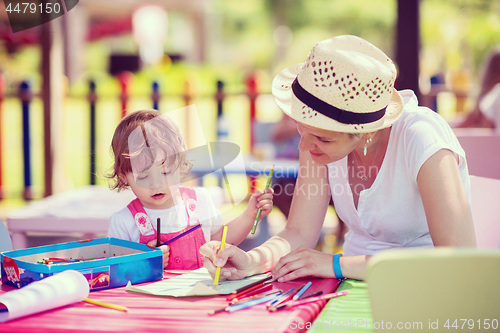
154,314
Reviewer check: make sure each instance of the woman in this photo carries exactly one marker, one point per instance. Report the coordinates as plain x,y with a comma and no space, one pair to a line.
396,172
486,112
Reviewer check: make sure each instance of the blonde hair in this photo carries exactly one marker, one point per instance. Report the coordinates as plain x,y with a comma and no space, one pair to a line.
140,139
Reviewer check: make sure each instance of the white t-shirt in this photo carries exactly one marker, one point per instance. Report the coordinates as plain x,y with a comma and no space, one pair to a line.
122,224
490,106
390,213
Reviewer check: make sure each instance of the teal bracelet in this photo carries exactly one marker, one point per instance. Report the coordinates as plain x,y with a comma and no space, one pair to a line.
336,266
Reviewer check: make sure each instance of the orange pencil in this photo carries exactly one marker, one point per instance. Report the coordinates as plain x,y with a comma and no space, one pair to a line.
267,287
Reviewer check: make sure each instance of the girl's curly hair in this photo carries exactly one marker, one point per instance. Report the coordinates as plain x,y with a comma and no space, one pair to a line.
143,138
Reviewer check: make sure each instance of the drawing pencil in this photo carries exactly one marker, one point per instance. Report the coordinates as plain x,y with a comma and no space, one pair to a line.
279,299
222,245
182,234
311,295
248,304
302,291
106,305
158,232
271,292
246,291
246,299
309,300
260,210
243,290
219,310
258,291
286,298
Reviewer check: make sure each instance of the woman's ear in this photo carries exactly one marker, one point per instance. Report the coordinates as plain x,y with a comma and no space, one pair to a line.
368,136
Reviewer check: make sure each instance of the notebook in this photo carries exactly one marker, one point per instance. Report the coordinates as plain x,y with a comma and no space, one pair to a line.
438,289
194,283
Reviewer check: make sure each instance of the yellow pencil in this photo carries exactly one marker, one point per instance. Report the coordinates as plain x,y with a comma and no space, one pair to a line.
222,244
106,305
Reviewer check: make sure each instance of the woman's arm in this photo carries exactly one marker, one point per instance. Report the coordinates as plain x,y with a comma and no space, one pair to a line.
307,213
445,202
446,208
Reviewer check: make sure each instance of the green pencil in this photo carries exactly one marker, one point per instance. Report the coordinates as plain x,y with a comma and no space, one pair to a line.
260,210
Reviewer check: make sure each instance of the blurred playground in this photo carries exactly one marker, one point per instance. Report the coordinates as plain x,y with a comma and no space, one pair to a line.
219,55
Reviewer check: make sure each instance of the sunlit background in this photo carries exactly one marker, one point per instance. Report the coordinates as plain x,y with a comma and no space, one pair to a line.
186,46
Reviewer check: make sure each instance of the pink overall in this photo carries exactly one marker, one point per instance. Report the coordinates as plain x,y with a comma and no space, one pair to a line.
184,252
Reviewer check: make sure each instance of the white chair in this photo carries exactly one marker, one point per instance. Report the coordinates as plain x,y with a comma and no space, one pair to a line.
422,289
5,241
485,207
482,151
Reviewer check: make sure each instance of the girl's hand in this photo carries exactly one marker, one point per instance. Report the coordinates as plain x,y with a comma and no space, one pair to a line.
164,248
262,200
303,262
234,261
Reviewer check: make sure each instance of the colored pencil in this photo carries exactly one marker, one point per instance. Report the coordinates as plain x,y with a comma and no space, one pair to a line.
311,295
309,300
65,260
106,305
248,288
272,292
222,244
282,297
246,305
158,232
249,298
286,298
219,310
257,291
302,291
260,210
182,234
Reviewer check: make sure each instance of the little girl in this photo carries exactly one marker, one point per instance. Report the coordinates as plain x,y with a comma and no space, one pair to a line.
150,159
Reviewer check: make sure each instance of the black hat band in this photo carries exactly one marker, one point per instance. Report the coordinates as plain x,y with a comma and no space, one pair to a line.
330,111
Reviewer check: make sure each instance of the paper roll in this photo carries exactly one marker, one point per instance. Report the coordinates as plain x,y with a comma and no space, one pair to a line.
58,290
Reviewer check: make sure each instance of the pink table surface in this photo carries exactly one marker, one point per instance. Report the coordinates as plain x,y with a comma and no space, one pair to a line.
167,314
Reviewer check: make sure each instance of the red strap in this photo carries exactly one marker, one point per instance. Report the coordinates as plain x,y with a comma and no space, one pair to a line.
187,193
189,197
135,207
141,218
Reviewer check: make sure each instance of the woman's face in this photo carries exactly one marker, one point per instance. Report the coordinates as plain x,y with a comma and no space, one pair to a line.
326,146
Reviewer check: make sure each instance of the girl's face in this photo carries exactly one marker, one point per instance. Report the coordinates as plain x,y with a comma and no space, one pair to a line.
152,188
326,146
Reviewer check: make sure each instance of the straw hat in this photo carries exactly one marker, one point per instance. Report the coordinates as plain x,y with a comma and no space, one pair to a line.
345,85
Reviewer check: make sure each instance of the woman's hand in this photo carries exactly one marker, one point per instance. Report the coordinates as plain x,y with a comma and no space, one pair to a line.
234,261
303,262
165,249
262,200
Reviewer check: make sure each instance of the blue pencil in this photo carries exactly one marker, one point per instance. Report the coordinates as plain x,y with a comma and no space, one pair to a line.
279,299
248,304
182,234
301,291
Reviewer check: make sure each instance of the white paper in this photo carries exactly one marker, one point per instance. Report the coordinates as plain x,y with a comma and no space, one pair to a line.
195,283
57,290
